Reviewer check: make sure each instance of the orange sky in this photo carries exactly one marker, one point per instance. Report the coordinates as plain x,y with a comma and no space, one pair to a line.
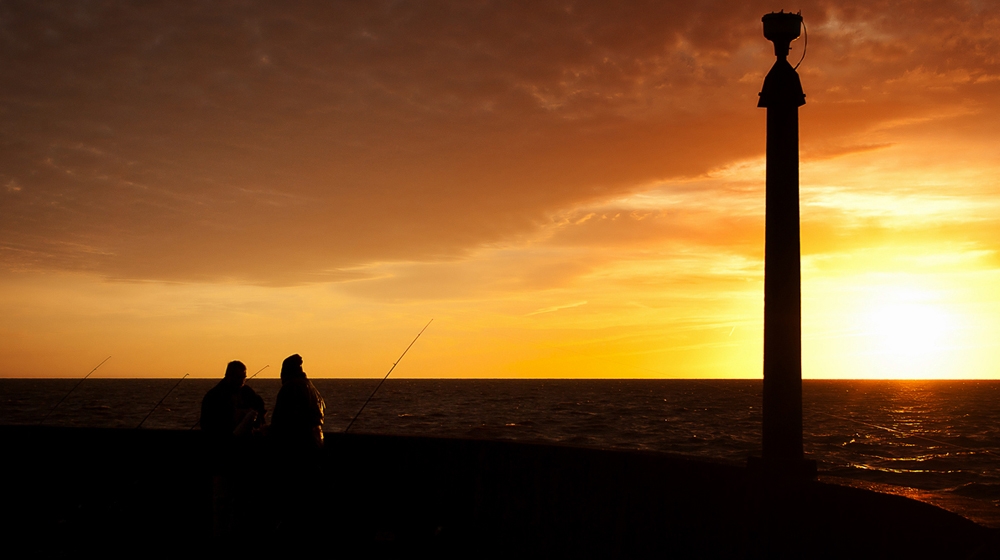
570,189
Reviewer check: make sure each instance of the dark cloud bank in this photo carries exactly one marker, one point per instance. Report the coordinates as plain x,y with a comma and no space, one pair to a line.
278,143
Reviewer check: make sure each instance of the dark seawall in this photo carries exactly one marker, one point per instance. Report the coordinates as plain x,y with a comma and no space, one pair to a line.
77,489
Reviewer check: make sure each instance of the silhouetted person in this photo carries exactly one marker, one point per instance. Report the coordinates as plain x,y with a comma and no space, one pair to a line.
232,408
298,411
230,412
296,433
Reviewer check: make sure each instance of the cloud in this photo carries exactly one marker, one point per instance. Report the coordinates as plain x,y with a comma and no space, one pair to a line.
555,308
267,144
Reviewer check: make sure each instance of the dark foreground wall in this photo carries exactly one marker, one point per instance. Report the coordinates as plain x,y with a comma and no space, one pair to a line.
150,493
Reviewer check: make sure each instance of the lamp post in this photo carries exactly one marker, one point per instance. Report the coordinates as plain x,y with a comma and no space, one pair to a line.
782,96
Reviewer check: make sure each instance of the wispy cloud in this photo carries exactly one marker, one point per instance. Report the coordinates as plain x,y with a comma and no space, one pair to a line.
556,308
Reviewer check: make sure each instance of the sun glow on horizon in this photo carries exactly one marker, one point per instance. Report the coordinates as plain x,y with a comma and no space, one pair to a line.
909,335
891,326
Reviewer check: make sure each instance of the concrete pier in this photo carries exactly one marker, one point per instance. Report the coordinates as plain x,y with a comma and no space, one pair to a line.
112,492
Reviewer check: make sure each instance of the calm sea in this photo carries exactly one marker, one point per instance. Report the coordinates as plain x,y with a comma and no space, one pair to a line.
937,441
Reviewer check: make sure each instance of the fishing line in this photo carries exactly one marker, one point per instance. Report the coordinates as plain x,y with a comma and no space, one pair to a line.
387,375
71,390
161,400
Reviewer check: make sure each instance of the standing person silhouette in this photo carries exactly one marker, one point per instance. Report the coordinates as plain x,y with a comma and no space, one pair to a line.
298,410
230,412
297,435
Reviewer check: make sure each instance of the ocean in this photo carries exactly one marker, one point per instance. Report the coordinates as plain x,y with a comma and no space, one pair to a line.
936,441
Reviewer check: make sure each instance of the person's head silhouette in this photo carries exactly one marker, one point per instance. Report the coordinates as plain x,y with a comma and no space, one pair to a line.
236,372
291,368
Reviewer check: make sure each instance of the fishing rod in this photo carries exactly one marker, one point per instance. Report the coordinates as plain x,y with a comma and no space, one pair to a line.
71,390
258,371
387,375
161,400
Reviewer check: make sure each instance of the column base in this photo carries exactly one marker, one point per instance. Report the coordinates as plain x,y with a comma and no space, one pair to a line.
790,469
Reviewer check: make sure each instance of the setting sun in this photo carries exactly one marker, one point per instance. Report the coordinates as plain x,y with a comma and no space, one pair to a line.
909,334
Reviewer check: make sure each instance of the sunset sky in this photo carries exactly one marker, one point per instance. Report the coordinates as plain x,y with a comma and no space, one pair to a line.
569,189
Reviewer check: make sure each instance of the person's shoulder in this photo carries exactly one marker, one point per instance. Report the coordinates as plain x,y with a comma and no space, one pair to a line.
290,387
308,382
248,395
313,391
248,391
215,392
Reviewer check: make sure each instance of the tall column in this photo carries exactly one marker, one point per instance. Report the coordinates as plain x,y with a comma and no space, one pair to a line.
782,96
